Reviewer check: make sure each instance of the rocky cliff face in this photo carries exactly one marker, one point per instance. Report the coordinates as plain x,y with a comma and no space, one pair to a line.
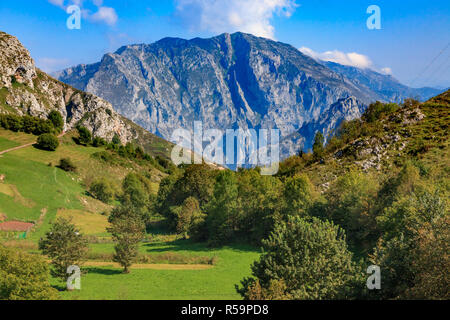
343,110
27,90
226,82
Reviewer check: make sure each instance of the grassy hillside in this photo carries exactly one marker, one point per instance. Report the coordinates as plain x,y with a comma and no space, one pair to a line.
33,189
416,133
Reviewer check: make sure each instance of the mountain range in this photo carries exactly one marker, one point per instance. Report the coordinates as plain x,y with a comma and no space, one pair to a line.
234,81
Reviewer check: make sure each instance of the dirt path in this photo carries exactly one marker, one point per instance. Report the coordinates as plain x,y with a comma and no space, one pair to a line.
17,148
25,145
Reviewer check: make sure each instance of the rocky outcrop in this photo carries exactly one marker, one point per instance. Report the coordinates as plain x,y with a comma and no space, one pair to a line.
343,110
16,65
27,90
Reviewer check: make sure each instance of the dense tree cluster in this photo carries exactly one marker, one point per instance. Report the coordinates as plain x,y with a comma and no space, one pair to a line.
33,125
223,206
398,221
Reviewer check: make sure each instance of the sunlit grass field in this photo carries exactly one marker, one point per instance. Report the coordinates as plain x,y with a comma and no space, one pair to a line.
35,190
216,283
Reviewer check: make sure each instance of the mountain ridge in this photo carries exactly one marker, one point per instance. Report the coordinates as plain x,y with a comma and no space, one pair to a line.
228,81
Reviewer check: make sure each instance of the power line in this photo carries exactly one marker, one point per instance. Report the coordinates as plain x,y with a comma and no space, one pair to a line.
443,72
438,71
430,64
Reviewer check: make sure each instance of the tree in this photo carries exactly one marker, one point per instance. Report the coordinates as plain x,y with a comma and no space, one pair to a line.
65,246
309,257
432,262
102,191
85,135
276,290
413,251
136,194
24,277
56,119
198,182
299,195
29,124
259,204
351,204
318,148
47,142
13,123
190,218
166,196
42,126
127,229
223,210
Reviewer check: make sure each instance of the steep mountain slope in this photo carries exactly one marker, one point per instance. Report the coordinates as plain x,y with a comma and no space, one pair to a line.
416,133
24,89
343,110
228,81
389,88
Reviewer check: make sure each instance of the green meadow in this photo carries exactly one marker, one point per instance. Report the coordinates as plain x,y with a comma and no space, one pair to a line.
34,190
217,282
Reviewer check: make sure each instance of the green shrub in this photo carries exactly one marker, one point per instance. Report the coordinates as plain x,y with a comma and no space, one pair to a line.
378,110
24,277
104,156
98,142
47,142
27,124
56,119
116,139
67,165
12,122
102,191
85,136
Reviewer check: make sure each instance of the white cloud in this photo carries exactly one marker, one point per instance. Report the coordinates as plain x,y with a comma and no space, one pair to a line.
59,3
348,59
387,71
250,16
52,64
103,14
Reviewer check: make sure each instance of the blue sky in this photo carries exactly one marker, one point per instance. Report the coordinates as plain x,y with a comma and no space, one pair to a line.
412,33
